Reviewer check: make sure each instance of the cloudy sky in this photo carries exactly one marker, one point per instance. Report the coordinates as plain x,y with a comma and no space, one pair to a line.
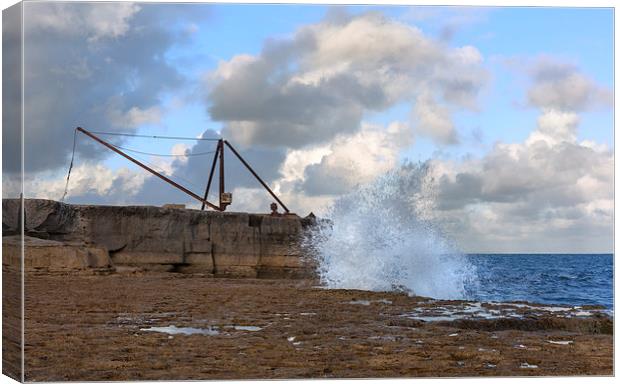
512,107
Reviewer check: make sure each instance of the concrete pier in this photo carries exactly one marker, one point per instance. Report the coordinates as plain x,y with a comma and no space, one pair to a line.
64,236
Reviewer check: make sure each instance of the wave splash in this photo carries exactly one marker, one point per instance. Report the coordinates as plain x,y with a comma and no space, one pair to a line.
381,237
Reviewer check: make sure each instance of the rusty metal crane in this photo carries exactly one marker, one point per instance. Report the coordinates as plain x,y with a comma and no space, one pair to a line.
225,198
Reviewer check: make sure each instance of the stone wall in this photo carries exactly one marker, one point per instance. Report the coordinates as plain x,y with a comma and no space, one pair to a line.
169,239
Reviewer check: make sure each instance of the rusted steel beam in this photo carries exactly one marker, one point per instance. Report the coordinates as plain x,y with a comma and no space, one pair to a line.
210,176
255,175
222,188
164,178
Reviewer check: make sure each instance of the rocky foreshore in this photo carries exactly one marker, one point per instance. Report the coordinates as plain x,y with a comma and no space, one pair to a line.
166,326
145,293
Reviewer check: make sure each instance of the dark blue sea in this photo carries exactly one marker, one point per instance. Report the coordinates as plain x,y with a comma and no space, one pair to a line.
545,278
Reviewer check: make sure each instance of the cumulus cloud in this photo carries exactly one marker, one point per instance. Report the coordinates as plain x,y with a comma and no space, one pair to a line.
560,85
97,65
434,120
107,20
307,89
11,100
551,192
296,111
356,159
88,180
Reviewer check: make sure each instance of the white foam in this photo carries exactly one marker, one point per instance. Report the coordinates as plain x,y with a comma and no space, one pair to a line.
489,311
381,238
582,314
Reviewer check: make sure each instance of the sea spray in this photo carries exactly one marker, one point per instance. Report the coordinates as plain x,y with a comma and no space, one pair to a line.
380,237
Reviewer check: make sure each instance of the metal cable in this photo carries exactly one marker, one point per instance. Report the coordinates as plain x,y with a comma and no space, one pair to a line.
131,150
153,137
62,199
162,154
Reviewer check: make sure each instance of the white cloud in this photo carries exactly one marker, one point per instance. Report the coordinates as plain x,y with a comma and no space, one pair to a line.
357,159
95,65
87,178
305,90
134,117
106,20
549,193
433,120
560,85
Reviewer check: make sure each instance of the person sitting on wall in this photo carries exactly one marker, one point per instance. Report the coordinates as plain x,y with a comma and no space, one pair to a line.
274,209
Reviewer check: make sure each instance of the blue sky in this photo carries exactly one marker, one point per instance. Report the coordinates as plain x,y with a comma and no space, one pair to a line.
583,36
510,105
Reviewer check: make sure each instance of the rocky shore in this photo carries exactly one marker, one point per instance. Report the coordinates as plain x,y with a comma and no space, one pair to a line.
166,326
161,293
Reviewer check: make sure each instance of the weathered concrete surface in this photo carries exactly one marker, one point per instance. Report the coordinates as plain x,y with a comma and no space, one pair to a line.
50,255
183,240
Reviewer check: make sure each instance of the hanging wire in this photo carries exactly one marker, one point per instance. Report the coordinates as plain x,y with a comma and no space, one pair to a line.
62,199
154,137
162,154
155,167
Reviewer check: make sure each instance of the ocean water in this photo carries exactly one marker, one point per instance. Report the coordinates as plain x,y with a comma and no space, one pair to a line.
544,278
385,236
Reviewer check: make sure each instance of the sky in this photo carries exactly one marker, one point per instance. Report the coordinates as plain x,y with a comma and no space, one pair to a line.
510,107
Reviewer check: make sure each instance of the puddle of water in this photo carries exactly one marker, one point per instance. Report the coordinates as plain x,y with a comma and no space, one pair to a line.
173,330
561,342
388,338
520,346
359,302
251,328
492,310
368,302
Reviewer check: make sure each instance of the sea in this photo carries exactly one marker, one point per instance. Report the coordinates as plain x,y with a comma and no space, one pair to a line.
567,279
386,235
